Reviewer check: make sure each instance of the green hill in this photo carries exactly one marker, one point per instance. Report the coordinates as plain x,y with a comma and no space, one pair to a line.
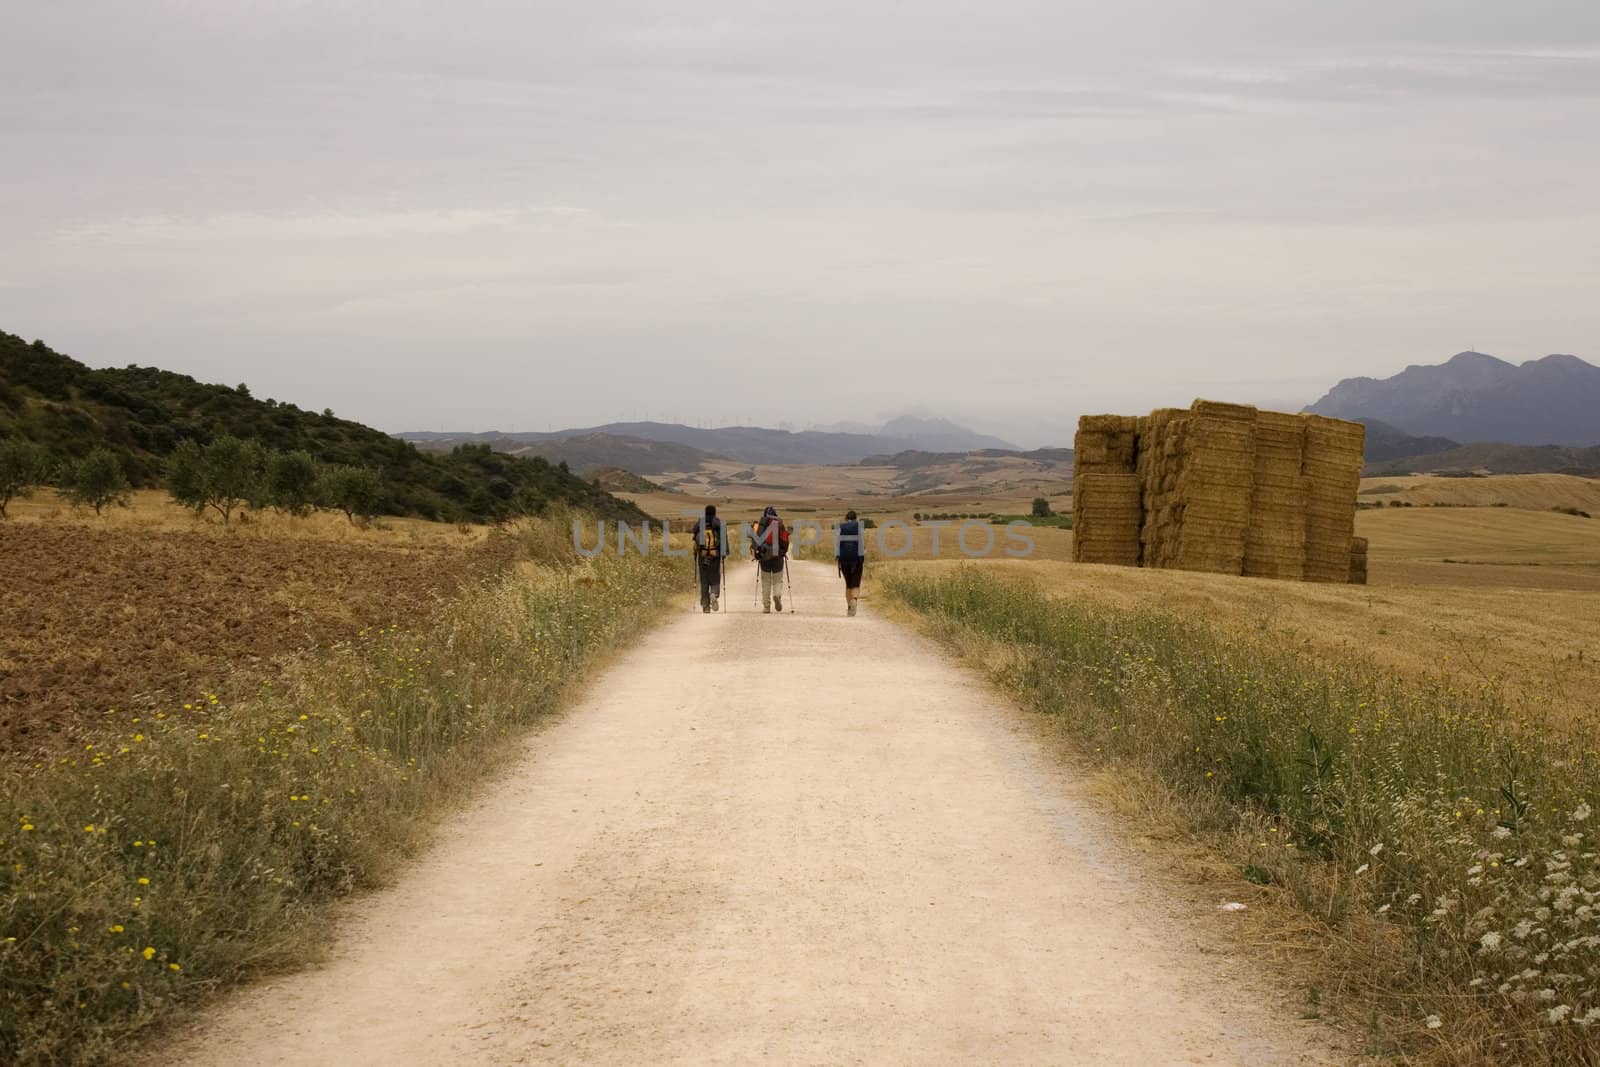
142,413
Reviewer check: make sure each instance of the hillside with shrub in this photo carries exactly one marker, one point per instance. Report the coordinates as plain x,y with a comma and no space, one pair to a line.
143,414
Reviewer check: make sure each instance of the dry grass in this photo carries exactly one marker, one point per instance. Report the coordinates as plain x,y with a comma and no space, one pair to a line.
1538,492
1434,841
1541,647
153,510
175,853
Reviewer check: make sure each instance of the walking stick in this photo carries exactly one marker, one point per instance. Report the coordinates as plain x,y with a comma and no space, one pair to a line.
788,586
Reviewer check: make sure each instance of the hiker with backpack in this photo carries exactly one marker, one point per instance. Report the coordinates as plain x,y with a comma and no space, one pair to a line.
770,543
710,549
850,554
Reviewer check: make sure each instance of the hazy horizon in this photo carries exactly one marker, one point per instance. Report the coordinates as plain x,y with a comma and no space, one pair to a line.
532,216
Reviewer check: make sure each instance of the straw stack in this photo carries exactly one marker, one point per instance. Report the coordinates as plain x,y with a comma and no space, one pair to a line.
1358,561
1106,517
1161,448
1223,488
1275,543
1106,506
1215,487
1332,465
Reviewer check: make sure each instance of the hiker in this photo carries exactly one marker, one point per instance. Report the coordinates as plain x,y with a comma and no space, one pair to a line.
771,545
850,554
710,549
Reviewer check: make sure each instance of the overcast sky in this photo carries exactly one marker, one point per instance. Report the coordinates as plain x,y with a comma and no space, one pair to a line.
523,215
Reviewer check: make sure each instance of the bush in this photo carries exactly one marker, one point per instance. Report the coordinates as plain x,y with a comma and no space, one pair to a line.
1041,508
1579,513
97,481
23,468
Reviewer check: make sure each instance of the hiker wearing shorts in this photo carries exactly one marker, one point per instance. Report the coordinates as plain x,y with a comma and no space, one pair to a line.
770,542
710,549
851,556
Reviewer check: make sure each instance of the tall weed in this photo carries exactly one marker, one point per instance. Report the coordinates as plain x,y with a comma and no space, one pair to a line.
1454,838
188,849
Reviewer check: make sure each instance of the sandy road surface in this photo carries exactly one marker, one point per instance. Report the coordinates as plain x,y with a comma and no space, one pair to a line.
806,839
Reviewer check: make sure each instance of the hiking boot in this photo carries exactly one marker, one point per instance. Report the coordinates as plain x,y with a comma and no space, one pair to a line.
851,611
777,602
706,608
714,606
766,610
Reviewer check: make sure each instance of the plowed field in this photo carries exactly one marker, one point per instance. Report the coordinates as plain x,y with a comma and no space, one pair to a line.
98,617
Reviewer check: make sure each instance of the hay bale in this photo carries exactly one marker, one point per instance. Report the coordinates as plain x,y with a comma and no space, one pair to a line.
1333,460
1107,513
1358,561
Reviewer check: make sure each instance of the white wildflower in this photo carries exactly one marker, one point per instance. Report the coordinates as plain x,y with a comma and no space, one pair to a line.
1434,1022
1581,813
1476,868
1383,908
1572,840
1363,868
1375,849
1413,898
1523,929
1502,832
1590,1017
1559,1013
1547,994
1490,941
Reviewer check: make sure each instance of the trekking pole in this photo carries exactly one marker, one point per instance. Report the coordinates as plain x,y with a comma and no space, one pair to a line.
789,586
722,583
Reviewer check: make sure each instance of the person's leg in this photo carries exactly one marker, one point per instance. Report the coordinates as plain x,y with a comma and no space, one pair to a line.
706,574
716,583
777,590
766,590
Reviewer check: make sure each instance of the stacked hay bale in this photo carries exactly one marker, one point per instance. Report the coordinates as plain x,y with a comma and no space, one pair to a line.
1275,544
1106,504
1358,561
1332,465
1223,488
1162,434
1214,486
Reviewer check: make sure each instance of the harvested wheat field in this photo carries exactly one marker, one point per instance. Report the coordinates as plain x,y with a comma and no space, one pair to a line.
1538,492
1542,647
129,615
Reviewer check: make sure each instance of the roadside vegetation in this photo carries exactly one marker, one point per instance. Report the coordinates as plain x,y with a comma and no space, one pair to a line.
179,850
1443,844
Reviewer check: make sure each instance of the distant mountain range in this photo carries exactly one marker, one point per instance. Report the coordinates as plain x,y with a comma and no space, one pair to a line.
1475,397
657,447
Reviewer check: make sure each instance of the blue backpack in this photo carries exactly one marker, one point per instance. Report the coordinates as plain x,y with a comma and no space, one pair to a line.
848,537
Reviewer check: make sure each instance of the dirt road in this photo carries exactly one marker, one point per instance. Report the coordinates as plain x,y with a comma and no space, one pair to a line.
796,839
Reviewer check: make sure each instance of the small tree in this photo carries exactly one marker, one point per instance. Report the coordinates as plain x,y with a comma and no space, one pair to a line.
223,475
356,491
1041,508
23,466
98,481
186,477
292,482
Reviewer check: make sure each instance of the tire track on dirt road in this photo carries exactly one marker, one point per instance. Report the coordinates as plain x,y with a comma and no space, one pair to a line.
757,838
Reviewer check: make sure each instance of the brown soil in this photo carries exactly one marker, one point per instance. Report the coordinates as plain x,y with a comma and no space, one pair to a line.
95,617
